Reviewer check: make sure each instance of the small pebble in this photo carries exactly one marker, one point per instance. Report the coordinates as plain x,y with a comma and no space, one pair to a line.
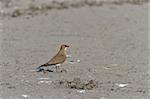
25,96
81,91
121,85
78,61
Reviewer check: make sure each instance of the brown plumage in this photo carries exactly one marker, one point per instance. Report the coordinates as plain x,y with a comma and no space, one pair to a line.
59,58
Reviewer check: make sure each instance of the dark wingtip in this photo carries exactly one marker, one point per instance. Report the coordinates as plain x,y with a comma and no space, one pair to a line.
39,69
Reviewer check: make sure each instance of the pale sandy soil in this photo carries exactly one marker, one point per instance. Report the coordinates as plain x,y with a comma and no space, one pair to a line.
111,42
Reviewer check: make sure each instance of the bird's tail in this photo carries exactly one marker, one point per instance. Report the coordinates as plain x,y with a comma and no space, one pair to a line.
39,69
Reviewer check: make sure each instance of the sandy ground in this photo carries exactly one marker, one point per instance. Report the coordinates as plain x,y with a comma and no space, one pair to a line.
109,44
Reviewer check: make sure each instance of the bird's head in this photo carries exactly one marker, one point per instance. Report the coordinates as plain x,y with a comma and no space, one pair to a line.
64,46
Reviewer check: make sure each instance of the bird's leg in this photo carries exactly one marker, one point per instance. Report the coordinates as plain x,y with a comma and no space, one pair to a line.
44,71
57,67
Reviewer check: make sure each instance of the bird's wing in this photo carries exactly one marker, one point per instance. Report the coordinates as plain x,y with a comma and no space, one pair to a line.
59,58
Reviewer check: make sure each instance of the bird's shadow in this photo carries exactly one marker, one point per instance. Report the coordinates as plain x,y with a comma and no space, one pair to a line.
49,70
43,70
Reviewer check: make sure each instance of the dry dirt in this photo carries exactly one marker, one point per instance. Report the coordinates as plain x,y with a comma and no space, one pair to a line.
109,51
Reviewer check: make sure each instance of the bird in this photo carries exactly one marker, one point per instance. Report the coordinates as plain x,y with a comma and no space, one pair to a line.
57,60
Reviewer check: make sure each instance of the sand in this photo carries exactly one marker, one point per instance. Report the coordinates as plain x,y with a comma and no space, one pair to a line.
109,45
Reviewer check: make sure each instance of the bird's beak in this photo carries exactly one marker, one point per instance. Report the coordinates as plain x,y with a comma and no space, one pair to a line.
66,45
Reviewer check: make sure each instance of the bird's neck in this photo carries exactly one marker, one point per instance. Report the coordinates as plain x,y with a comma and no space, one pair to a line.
62,52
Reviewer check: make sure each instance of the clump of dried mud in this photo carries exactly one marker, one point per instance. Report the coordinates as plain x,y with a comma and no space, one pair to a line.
77,83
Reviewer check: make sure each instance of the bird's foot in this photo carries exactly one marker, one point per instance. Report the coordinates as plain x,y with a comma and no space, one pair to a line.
63,70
